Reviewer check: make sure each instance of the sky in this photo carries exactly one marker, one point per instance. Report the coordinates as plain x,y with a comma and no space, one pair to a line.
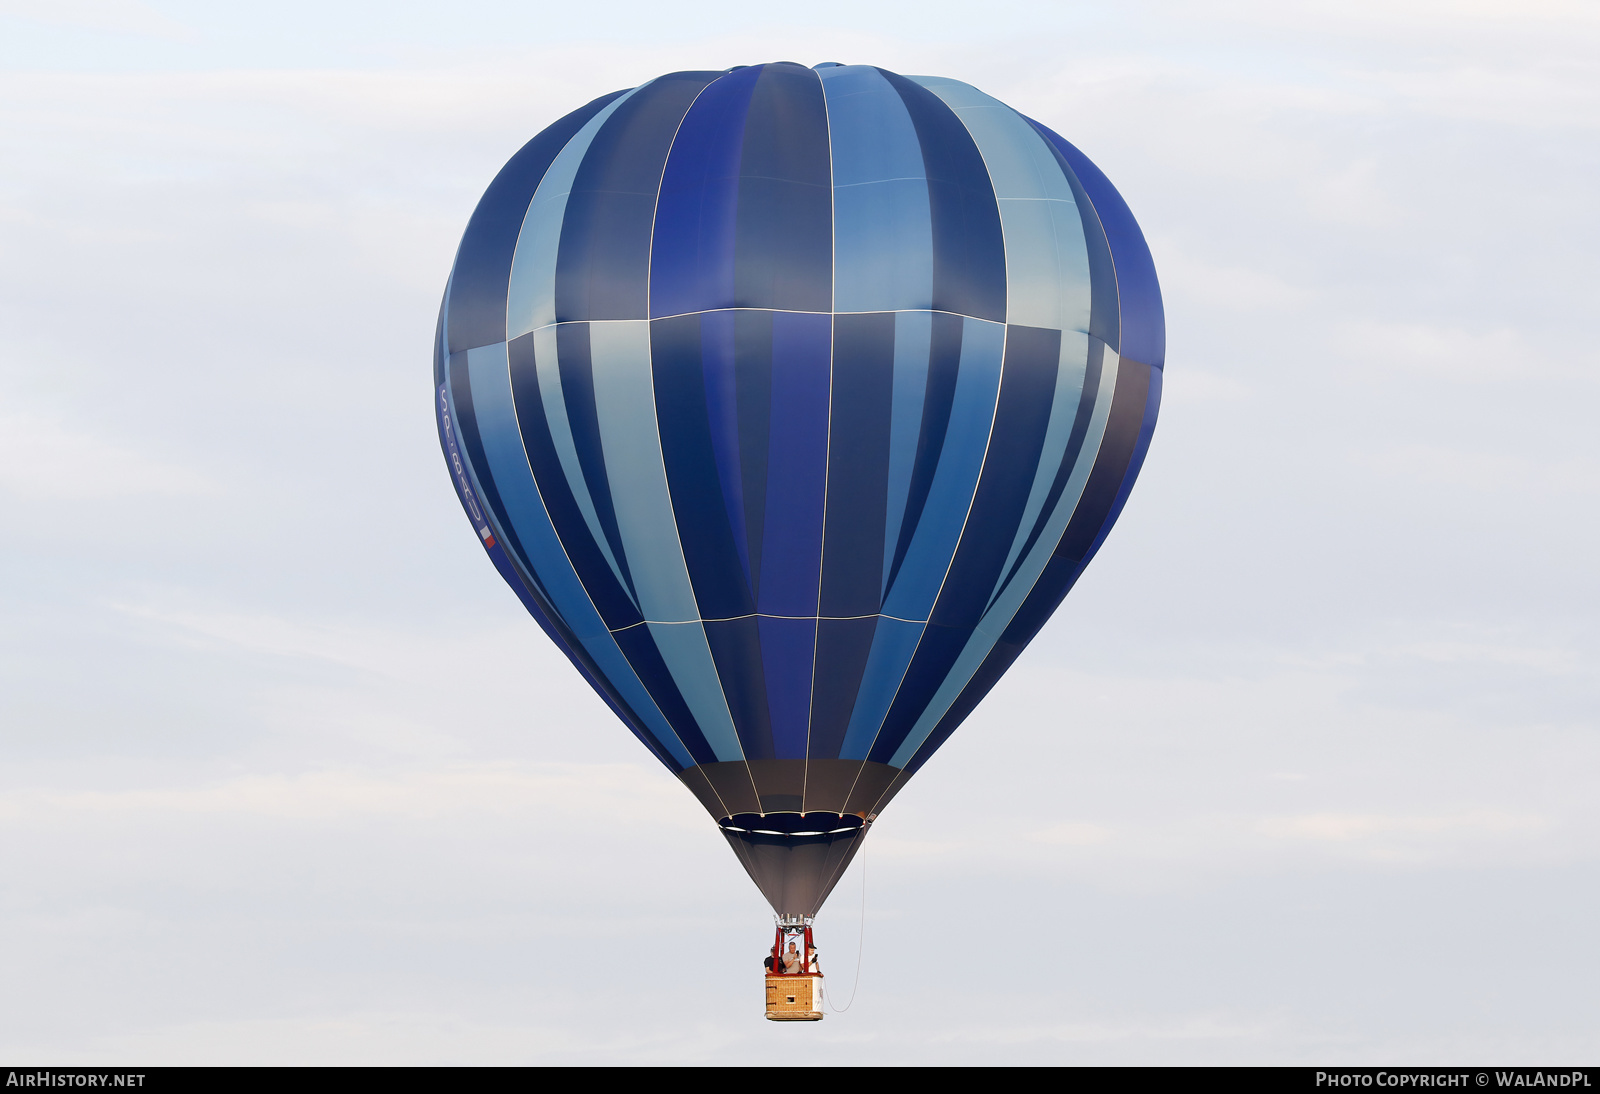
1303,772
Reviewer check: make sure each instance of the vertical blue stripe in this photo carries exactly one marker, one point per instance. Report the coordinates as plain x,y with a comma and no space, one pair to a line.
1124,429
476,307
489,372
783,251
577,390
858,464
1005,608
516,574
691,257
1072,370
969,262
531,295
698,509
586,551
1047,261
893,645
625,406
843,649
603,264
719,370
752,350
736,648
687,655
625,409
1142,318
797,460
966,439
944,368
882,223
788,651
1127,435
1021,422
547,369
913,342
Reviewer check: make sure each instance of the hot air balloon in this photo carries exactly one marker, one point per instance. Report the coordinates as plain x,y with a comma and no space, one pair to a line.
791,402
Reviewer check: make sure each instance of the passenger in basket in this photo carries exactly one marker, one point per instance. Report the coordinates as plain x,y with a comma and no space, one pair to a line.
791,960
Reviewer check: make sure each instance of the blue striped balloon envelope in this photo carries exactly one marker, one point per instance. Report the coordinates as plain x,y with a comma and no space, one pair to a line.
791,402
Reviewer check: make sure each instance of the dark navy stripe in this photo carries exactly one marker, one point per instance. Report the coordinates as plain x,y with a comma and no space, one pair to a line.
703,524
944,366
720,368
1061,573
858,464
983,681
1143,318
1069,458
516,571
602,266
588,561
1048,592
783,253
1022,416
1055,582
640,650
969,256
691,258
477,299
797,452
439,352
736,648
577,391
567,642
752,350
788,650
842,649
1147,427
1124,426
472,442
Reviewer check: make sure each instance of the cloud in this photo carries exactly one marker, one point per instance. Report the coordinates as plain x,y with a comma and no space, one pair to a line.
1456,354
1358,827
1478,471
625,794
119,16
43,457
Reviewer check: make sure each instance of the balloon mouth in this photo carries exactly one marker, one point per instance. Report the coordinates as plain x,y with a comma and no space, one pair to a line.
791,825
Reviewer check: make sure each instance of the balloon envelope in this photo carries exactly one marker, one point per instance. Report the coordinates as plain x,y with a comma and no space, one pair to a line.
791,402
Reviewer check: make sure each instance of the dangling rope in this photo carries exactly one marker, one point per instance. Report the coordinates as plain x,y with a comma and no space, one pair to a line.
860,940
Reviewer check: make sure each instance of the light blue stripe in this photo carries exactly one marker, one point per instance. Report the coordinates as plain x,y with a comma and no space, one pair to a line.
893,644
1074,363
548,365
624,400
999,616
531,295
882,224
688,659
490,375
1047,260
956,478
913,337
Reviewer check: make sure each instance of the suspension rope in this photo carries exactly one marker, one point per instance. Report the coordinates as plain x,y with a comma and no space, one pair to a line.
860,942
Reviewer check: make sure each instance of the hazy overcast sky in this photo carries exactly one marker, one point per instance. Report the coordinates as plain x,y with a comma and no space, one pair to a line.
290,777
